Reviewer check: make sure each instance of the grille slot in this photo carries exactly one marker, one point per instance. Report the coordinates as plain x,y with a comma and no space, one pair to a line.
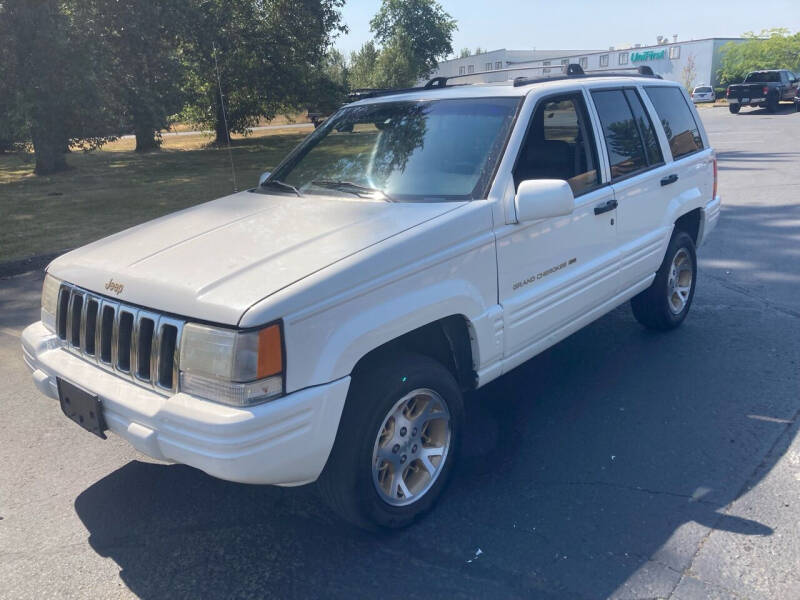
90,330
167,367
144,347
106,332
124,335
132,342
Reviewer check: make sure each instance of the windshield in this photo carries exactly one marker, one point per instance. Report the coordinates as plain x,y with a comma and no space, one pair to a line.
702,90
763,77
431,151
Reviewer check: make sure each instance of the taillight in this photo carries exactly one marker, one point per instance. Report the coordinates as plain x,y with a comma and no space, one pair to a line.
727,92
714,192
765,90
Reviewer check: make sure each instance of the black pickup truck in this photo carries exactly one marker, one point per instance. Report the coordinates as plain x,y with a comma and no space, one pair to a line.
762,88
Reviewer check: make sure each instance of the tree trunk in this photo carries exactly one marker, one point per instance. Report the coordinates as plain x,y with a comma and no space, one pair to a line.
146,139
48,147
222,135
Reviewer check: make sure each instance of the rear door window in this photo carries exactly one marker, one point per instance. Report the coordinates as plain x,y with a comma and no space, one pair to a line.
626,150
677,119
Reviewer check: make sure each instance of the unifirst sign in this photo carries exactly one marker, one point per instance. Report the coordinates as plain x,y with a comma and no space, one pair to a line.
648,55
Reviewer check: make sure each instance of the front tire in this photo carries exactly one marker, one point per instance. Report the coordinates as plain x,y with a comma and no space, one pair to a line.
397,442
665,304
734,108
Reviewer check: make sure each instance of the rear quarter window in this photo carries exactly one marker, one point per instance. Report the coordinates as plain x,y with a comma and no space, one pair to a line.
677,120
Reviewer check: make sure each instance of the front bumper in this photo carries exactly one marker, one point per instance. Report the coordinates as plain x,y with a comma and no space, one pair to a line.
286,441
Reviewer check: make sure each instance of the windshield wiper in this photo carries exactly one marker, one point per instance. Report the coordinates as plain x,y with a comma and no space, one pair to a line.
282,185
349,186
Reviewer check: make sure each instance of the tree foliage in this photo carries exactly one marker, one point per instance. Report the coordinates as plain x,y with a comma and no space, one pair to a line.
57,79
138,41
769,49
414,35
262,52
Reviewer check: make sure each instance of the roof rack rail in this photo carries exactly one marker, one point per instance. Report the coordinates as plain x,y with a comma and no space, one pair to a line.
643,71
568,71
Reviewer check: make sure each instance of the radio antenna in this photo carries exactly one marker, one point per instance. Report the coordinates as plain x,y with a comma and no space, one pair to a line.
225,118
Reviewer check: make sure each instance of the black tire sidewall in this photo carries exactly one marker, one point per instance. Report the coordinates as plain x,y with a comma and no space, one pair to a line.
734,108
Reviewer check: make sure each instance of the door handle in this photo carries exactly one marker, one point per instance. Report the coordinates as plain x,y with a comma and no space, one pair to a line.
605,207
669,179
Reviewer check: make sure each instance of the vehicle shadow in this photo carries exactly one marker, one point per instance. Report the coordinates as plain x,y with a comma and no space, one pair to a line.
784,108
595,468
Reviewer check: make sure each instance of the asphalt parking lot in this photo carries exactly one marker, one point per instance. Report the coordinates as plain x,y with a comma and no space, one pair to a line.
618,463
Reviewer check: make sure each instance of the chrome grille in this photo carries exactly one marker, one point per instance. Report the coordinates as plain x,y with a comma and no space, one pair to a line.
132,342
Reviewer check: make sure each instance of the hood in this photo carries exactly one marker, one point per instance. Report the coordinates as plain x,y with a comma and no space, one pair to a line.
213,261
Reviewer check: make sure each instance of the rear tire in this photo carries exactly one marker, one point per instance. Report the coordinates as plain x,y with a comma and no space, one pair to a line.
665,304
734,108
398,438
772,104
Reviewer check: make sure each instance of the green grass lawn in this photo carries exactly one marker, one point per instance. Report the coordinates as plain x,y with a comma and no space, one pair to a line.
114,188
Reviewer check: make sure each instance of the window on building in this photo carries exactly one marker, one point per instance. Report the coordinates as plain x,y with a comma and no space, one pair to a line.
546,65
674,52
564,62
604,60
626,151
677,119
488,66
623,58
470,68
460,70
560,144
498,65
583,62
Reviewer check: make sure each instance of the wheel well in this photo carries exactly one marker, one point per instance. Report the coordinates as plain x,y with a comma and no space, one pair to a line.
447,341
690,223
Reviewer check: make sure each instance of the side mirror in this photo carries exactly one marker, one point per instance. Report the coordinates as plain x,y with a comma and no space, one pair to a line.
263,177
543,198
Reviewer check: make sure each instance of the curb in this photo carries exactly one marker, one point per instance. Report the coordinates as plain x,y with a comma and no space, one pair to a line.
26,265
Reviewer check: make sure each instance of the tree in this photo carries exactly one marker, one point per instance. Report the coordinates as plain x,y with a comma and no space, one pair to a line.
363,66
247,59
56,76
689,73
769,49
139,40
464,53
417,33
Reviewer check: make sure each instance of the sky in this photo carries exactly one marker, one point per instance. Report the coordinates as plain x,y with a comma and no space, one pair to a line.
586,24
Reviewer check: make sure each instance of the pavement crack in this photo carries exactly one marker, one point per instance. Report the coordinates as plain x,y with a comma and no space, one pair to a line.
746,292
632,488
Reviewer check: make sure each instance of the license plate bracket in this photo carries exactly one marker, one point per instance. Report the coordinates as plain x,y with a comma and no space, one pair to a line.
82,407
745,100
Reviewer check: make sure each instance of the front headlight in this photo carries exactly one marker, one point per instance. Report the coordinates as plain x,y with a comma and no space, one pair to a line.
50,289
233,367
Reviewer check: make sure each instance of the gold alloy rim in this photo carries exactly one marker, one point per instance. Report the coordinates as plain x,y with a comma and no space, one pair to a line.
411,447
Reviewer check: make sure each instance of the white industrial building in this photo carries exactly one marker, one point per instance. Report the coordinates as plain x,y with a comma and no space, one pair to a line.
692,62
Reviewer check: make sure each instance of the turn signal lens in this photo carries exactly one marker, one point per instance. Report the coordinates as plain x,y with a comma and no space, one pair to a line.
765,90
270,351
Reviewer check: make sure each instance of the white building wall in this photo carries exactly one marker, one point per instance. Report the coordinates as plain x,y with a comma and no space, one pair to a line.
671,61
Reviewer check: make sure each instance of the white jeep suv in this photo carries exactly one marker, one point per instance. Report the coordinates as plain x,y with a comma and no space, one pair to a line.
419,244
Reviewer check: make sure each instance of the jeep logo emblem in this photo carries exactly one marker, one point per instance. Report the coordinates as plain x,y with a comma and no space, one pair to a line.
113,286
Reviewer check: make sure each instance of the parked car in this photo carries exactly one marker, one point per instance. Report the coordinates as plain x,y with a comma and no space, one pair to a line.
326,324
797,101
703,93
762,88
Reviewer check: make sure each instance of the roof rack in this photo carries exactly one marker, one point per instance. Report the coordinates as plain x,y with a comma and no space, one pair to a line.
571,71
